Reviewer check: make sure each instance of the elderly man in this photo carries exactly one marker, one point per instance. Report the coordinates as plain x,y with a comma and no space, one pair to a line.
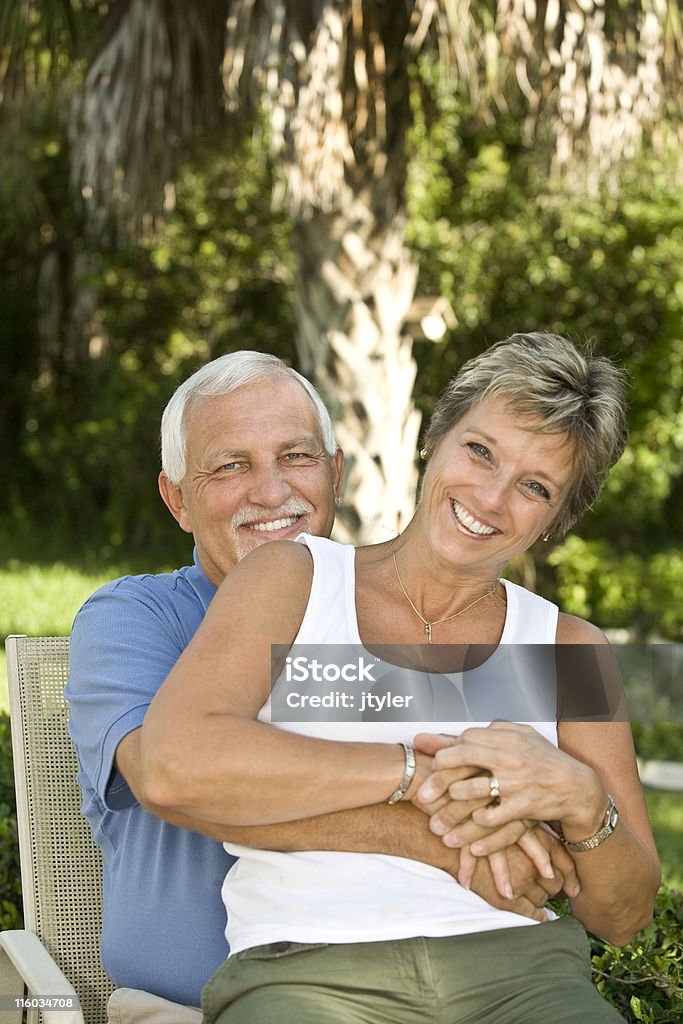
248,456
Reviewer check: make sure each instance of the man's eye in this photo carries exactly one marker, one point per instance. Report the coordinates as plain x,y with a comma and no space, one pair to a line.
297,456
229,467
480,450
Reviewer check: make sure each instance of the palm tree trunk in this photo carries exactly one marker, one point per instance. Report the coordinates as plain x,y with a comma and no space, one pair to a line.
355,284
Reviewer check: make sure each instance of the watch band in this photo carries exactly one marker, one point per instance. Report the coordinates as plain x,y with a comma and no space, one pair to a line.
604,832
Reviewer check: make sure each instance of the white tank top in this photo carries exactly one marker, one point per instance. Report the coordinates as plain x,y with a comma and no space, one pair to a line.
321,896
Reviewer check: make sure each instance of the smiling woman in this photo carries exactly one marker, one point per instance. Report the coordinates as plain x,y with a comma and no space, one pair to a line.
519,446
560,390
499,479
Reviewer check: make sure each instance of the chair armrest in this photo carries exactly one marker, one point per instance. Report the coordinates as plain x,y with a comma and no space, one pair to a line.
37,970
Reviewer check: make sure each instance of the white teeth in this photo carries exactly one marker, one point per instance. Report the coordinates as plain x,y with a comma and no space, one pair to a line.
276,524
463,516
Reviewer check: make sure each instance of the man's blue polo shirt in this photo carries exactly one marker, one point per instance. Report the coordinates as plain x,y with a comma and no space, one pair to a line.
164,920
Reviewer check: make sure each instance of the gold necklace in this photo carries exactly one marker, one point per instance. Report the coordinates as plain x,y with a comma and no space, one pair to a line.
434,622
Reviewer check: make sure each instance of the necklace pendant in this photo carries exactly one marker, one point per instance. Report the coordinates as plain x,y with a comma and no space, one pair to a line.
428,631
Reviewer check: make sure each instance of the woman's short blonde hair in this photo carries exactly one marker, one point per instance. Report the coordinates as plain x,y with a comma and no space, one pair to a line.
567,388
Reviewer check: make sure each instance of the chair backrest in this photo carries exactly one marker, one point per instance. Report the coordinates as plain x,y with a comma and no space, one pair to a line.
61,867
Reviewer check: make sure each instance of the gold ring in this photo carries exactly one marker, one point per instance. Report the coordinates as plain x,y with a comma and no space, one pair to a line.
494,788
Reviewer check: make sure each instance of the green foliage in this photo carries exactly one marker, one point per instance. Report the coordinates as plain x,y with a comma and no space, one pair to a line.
644,980
512,251
659,741
666,814
10,877
213,279
641,589
32,157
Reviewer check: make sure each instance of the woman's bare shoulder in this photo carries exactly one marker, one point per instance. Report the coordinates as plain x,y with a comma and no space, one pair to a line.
275,574
573,630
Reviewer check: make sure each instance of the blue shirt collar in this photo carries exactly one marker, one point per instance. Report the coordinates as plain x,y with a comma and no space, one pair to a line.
200,581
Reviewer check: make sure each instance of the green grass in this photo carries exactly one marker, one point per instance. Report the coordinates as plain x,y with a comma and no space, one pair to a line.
666,815
41,601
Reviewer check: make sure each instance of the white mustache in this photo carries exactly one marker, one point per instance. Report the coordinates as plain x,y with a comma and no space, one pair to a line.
257,513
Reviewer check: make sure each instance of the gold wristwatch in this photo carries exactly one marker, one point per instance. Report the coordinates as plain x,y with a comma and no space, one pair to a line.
604,832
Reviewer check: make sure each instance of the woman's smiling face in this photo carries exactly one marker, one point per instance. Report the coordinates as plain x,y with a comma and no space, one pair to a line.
494,485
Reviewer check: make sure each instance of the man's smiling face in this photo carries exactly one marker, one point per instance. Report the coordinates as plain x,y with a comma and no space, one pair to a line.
256,470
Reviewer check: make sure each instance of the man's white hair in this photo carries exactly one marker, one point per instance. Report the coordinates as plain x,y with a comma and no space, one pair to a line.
220,377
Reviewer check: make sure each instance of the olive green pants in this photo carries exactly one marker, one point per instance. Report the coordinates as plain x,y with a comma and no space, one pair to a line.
528,975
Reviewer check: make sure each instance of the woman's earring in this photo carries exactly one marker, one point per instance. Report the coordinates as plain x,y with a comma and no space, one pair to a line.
423,454
546,537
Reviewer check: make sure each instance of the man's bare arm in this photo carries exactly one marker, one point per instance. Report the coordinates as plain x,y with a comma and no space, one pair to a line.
399,831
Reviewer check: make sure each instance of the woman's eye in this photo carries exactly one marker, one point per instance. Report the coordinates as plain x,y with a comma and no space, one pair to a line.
538,489
480,450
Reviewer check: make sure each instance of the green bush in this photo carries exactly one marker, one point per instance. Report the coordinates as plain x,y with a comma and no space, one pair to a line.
513,252
644,980
659,741
10,877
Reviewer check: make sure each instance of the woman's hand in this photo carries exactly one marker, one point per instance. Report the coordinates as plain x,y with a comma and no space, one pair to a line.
427,744
453,820
536,782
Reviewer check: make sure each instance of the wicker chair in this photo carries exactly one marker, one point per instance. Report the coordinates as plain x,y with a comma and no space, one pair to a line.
57,954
